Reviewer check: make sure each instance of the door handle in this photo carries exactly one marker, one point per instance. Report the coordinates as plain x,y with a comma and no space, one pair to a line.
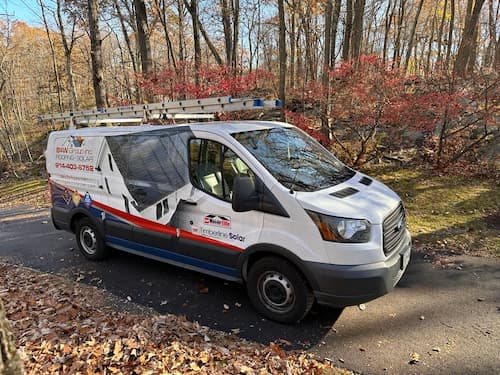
189,201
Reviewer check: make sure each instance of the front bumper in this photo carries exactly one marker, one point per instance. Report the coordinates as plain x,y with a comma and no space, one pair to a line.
340,286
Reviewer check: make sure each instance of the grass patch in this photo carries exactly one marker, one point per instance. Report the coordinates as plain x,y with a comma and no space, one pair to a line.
25,187
452,213
31,192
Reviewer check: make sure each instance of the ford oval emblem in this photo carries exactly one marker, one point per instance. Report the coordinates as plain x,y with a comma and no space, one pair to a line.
400,225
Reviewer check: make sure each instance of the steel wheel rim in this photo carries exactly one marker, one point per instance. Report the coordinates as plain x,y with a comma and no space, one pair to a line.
276,292
88,240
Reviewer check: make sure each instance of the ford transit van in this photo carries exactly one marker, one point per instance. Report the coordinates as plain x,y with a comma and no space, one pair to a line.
261,203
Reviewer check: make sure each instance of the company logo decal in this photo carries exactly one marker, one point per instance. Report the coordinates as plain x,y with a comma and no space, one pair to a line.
67,196
87,200
76,198
217,221
215,233
76,141
74,154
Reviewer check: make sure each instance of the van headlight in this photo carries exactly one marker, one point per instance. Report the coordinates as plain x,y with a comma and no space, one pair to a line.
341,229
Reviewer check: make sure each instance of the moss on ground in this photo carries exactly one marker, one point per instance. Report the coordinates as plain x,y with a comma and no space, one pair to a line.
452,213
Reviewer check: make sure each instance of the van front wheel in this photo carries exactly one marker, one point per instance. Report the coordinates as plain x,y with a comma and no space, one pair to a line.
89,240
278,290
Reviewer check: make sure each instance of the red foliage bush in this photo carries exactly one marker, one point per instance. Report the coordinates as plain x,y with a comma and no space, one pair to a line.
214,80
370,111
367,112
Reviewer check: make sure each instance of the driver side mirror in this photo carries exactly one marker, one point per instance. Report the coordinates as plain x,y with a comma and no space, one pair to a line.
245,197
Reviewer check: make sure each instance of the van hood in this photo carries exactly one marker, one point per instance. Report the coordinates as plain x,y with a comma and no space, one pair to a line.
352,199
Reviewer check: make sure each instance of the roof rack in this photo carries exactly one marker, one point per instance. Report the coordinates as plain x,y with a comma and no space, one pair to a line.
192,109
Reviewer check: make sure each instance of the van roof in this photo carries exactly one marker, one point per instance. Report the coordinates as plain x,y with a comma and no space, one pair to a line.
218,127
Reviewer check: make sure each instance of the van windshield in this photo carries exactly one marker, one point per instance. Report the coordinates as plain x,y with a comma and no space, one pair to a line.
295,159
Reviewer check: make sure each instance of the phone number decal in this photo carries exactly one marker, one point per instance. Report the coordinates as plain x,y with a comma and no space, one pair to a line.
76,167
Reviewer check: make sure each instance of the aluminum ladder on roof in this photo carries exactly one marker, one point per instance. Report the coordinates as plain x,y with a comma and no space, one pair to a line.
181,109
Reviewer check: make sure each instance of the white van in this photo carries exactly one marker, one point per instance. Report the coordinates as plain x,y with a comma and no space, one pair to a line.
260,203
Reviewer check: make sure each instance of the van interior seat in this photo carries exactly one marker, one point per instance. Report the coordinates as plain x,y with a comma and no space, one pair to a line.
211,179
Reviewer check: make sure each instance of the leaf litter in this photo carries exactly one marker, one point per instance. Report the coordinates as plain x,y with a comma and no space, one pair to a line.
69,328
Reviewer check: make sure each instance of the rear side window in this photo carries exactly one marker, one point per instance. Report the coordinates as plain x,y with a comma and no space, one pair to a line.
152,165
213,167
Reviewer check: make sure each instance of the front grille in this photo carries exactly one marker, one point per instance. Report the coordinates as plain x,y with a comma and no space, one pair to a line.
394,229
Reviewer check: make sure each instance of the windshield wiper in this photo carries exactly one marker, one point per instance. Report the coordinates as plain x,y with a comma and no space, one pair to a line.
342,176
299,185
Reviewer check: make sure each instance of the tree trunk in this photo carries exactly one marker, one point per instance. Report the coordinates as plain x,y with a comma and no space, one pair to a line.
161,13
397,42
327,38
450,34
53,56
467,44
141,19
431,40
357,28
347,31
440,35
210,45
126,37
334,27
389,13
131,54
412,35
326,67
124,71
228,32
68,48
193,9
471,61
180,25
293,45
10,362
282,56
496,65
236,33
96,53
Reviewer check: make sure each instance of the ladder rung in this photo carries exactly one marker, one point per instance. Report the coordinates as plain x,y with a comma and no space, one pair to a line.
164,109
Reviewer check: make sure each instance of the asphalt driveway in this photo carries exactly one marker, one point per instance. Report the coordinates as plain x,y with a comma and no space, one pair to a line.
437,321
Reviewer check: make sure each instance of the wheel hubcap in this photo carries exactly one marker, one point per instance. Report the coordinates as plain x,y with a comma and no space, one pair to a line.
276,292
88,240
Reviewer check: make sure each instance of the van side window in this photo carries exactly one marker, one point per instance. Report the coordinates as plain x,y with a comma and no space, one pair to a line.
214,166
153,166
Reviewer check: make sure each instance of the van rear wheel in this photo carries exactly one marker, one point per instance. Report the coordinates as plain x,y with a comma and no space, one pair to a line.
89,240
278,290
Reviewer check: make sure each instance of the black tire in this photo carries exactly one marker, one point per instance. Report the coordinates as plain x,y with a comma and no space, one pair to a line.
89,240
278,290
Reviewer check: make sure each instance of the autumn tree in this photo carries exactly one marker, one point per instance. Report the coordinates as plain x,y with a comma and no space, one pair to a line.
96,53
143,42
466,58
193,10
282,54
68,44
230,14
412,35
357,28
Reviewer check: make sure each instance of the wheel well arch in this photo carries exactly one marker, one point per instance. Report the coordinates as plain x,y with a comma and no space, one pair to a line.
79,214
256,252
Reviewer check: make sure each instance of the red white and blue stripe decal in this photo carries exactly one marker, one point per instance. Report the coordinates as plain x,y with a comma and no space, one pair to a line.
58,191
